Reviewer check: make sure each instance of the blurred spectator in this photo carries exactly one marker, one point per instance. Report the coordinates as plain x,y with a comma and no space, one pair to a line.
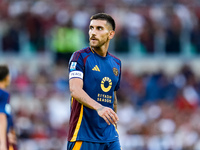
147,36
122,41
22,82
66,40
173,32
10,38
35,31
195,37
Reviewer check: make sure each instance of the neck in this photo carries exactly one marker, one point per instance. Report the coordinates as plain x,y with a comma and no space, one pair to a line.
2,85
102,51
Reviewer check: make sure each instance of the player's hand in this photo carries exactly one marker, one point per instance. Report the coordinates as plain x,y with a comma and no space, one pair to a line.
108,115
12,138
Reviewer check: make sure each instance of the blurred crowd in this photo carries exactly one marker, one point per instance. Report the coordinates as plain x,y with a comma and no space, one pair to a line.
160,112
143,27
157,111
41,105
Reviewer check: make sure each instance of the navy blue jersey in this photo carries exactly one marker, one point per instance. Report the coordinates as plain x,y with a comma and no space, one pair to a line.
5,107
101,77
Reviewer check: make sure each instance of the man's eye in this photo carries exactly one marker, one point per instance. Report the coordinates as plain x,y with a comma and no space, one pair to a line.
91,27
100,28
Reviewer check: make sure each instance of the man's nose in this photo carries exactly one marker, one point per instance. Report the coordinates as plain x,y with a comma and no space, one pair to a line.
93,32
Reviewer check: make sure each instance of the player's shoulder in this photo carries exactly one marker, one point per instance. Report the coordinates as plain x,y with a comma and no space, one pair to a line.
85,50
81,53
115,58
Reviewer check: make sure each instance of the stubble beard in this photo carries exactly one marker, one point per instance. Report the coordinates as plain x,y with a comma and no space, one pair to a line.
99,44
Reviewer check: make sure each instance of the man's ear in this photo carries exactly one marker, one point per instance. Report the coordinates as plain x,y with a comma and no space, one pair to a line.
112,33
7,80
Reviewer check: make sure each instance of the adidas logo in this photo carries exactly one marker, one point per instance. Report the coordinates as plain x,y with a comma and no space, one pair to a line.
96,68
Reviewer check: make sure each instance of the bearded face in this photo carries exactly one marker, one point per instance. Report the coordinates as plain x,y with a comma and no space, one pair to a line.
99,32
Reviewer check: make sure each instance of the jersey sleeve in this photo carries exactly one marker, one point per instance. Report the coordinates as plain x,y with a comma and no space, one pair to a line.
10,120
118,83
3,102
76,66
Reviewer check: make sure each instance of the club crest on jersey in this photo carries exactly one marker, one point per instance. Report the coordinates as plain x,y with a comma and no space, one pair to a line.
115,71
73,66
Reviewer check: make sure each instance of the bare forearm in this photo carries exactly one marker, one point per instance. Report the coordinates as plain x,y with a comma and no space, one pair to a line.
3,128
115,103
115,108
82,97
77,92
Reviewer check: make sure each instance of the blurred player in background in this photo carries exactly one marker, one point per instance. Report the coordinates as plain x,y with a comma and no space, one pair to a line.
94,78
7,134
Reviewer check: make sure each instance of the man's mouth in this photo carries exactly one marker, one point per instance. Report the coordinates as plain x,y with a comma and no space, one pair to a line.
93,39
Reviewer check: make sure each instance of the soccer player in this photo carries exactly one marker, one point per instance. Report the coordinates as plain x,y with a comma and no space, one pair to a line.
7,134
94,78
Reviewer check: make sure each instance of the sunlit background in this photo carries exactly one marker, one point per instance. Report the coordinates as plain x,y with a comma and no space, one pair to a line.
159,45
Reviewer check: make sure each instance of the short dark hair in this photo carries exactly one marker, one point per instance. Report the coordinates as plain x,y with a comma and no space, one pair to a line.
104,16
4,71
